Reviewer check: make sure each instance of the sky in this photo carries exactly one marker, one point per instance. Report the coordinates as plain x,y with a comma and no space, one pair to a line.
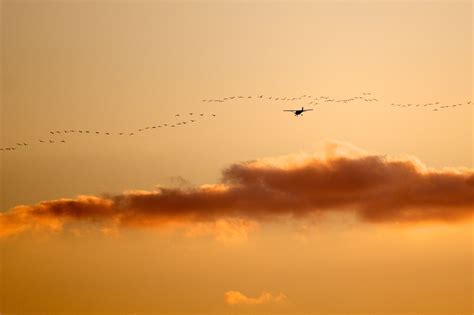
356,207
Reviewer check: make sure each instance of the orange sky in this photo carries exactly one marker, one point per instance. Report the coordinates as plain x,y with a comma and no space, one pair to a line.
185,224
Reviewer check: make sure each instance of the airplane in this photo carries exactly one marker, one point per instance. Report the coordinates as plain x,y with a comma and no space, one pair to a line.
298,112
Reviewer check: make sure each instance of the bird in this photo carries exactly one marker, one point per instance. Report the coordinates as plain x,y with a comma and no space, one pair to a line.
63,141
25,144
107,133
131,134
177,115
191,114
51,141
51,132
41,141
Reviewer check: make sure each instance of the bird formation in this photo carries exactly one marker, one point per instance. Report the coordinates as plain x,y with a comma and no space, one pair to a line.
323,99
434,106
311,100
191,119
19,145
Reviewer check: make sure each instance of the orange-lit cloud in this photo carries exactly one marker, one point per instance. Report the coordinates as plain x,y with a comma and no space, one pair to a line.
375,188
237,298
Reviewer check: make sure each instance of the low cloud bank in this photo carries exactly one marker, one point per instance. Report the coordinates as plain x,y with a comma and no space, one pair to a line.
373,187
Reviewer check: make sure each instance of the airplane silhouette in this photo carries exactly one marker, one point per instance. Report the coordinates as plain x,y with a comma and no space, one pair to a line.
298,112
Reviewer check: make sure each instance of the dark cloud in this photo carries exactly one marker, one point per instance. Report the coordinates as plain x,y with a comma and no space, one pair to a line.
375,188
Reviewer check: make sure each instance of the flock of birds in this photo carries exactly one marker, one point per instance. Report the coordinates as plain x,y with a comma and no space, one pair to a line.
308,99
322,99
311,100
182,120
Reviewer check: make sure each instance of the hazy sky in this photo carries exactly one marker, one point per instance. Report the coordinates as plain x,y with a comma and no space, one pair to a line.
119,66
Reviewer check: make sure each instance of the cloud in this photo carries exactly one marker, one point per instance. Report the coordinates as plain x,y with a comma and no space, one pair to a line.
237,298
375,188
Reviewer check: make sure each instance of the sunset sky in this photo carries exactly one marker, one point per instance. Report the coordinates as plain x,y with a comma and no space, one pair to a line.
358,207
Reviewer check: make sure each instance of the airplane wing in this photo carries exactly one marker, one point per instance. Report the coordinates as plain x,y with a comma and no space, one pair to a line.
290,110
307,110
